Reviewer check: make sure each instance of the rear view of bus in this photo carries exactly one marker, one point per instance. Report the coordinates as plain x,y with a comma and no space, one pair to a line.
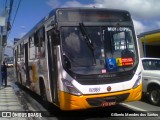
98,61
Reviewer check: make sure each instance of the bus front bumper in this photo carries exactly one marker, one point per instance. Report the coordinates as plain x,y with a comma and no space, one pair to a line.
73,102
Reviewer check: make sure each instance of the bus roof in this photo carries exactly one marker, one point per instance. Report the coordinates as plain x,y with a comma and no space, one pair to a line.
90,8
53,12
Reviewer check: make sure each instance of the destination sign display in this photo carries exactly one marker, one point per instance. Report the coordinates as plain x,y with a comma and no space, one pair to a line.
94,15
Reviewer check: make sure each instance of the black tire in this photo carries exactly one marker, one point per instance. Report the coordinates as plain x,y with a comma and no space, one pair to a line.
154,96
20,78
43,91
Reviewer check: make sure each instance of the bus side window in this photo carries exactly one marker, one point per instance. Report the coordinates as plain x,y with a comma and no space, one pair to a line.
18,53
22,51
54,35
32,51
39,42
39,37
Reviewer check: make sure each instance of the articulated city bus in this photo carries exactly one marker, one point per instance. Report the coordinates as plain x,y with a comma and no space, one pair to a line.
79,58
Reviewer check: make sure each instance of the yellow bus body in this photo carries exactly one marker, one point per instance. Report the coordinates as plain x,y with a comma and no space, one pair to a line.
72,102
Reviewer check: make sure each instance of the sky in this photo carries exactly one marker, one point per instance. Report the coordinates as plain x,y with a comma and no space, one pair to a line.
145,13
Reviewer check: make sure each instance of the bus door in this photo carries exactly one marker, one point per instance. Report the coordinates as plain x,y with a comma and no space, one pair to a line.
52,65
26,63
16,65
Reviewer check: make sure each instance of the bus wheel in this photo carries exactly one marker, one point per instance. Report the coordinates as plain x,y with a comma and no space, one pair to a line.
154,96
20,78
43,91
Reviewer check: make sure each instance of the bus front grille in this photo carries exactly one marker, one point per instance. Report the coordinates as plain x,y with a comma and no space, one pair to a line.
98,101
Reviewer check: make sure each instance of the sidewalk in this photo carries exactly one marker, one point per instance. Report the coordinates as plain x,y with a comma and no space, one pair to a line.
8,99
9,102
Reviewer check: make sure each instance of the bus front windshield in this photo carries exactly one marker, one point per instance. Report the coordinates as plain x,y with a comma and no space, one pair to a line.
98,50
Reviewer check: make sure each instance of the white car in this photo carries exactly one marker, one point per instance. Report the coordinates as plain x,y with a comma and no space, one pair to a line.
151,79
10,64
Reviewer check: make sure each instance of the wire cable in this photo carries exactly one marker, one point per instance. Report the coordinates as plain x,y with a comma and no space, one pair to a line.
15,16
16,12
10,10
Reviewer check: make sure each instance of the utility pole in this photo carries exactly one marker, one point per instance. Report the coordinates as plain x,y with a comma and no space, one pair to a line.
4,28
2,24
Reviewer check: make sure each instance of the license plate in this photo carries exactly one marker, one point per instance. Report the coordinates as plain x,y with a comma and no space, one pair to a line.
105,103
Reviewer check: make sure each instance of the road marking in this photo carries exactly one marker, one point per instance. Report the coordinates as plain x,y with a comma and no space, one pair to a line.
133,107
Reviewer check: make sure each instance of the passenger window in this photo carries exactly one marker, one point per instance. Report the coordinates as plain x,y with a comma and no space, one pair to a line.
32,50
39,42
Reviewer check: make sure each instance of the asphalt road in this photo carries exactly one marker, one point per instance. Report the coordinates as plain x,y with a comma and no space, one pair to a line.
138,110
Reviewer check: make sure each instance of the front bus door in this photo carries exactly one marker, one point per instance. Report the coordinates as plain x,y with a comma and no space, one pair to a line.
26,64
52,60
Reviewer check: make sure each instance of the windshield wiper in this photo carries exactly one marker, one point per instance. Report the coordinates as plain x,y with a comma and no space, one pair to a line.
87,39
86,36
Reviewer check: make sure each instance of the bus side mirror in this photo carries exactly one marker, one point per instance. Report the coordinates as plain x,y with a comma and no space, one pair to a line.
67,62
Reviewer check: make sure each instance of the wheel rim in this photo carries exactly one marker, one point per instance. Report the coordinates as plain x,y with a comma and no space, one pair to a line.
155,96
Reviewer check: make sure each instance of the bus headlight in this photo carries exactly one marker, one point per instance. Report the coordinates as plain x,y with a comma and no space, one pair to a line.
70,87
138,81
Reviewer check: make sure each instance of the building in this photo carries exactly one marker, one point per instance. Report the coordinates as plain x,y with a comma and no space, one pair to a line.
150,43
